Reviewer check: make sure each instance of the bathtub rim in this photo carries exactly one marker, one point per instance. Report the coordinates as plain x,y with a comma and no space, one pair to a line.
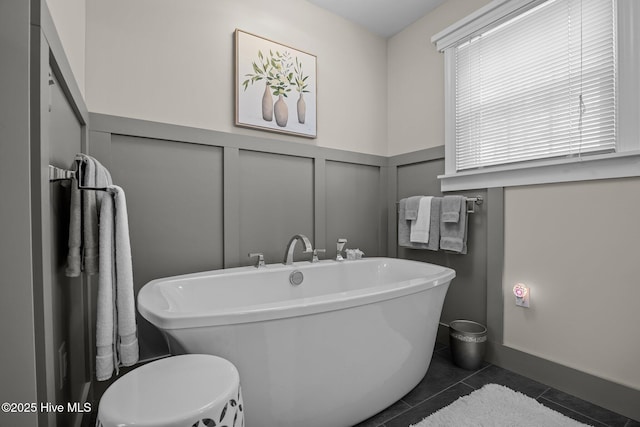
166,320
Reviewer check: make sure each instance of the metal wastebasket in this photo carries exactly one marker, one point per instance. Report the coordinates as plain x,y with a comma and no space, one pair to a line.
467,341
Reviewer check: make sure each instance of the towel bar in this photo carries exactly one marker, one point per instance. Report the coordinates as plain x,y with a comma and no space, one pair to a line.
58,174
471,201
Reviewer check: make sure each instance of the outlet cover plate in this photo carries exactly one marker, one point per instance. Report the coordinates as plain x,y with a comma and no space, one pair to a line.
523,302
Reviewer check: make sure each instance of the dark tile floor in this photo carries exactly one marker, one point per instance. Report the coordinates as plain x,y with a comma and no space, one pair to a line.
445,382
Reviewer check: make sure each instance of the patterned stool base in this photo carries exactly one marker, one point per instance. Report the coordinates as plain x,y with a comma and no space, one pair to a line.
231,415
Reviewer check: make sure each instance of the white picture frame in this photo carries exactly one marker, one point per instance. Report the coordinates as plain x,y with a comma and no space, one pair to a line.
276,86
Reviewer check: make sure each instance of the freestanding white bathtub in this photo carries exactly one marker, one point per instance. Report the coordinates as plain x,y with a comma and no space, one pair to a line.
351,339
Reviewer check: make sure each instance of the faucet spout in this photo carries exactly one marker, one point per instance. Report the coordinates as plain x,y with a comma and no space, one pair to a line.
288,255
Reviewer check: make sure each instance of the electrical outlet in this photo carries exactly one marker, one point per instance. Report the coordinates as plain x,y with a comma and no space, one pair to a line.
523,302
62,364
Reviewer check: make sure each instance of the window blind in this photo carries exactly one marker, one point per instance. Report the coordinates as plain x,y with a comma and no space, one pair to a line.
538,85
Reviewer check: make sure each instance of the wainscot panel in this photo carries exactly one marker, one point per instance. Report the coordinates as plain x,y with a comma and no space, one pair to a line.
174,202
275,203
352,207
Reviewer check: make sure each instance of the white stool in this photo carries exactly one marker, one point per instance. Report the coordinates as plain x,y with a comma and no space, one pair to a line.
192,390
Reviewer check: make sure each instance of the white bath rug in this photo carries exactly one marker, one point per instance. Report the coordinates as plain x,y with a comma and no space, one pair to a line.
497,406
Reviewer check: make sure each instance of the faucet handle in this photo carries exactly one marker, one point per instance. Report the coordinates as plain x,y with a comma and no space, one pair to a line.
315,254
260,261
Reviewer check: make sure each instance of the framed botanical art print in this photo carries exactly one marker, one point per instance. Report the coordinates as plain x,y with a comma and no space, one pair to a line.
276,86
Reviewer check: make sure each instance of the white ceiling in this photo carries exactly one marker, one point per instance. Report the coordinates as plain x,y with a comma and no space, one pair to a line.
382,17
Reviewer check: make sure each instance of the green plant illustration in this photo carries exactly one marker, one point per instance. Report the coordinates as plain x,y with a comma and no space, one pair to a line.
262,70
281,76
300,80
279,72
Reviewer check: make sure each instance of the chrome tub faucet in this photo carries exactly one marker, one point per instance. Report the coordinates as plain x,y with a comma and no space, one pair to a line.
288,255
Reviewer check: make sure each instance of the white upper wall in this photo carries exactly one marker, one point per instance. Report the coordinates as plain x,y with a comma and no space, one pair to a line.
576,246
69,17
173,62
416,80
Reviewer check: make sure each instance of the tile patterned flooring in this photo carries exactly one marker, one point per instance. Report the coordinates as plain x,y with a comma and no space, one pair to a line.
445,382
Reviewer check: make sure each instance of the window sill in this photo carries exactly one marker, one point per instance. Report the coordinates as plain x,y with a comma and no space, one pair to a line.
603,166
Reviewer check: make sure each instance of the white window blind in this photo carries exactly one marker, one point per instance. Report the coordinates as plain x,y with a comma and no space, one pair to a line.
538,85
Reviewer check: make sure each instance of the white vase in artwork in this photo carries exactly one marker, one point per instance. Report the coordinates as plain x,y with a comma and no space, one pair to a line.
267,104
281,112
302,109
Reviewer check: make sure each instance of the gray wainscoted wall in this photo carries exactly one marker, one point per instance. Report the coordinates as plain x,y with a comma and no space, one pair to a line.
69,296
417,174
45,333
17,328
202,200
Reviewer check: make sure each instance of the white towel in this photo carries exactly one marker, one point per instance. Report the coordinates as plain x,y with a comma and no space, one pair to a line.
116,331
83,224
420,226
125,303
96,176
89,216
105,354
102,179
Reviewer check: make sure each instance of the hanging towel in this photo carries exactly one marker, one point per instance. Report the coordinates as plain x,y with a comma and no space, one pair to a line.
411,211
105,316
102,179
89,217
451,208
116,330
453,235
420,226
96,176
125,302
434,225
404,226
74,256
84,208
